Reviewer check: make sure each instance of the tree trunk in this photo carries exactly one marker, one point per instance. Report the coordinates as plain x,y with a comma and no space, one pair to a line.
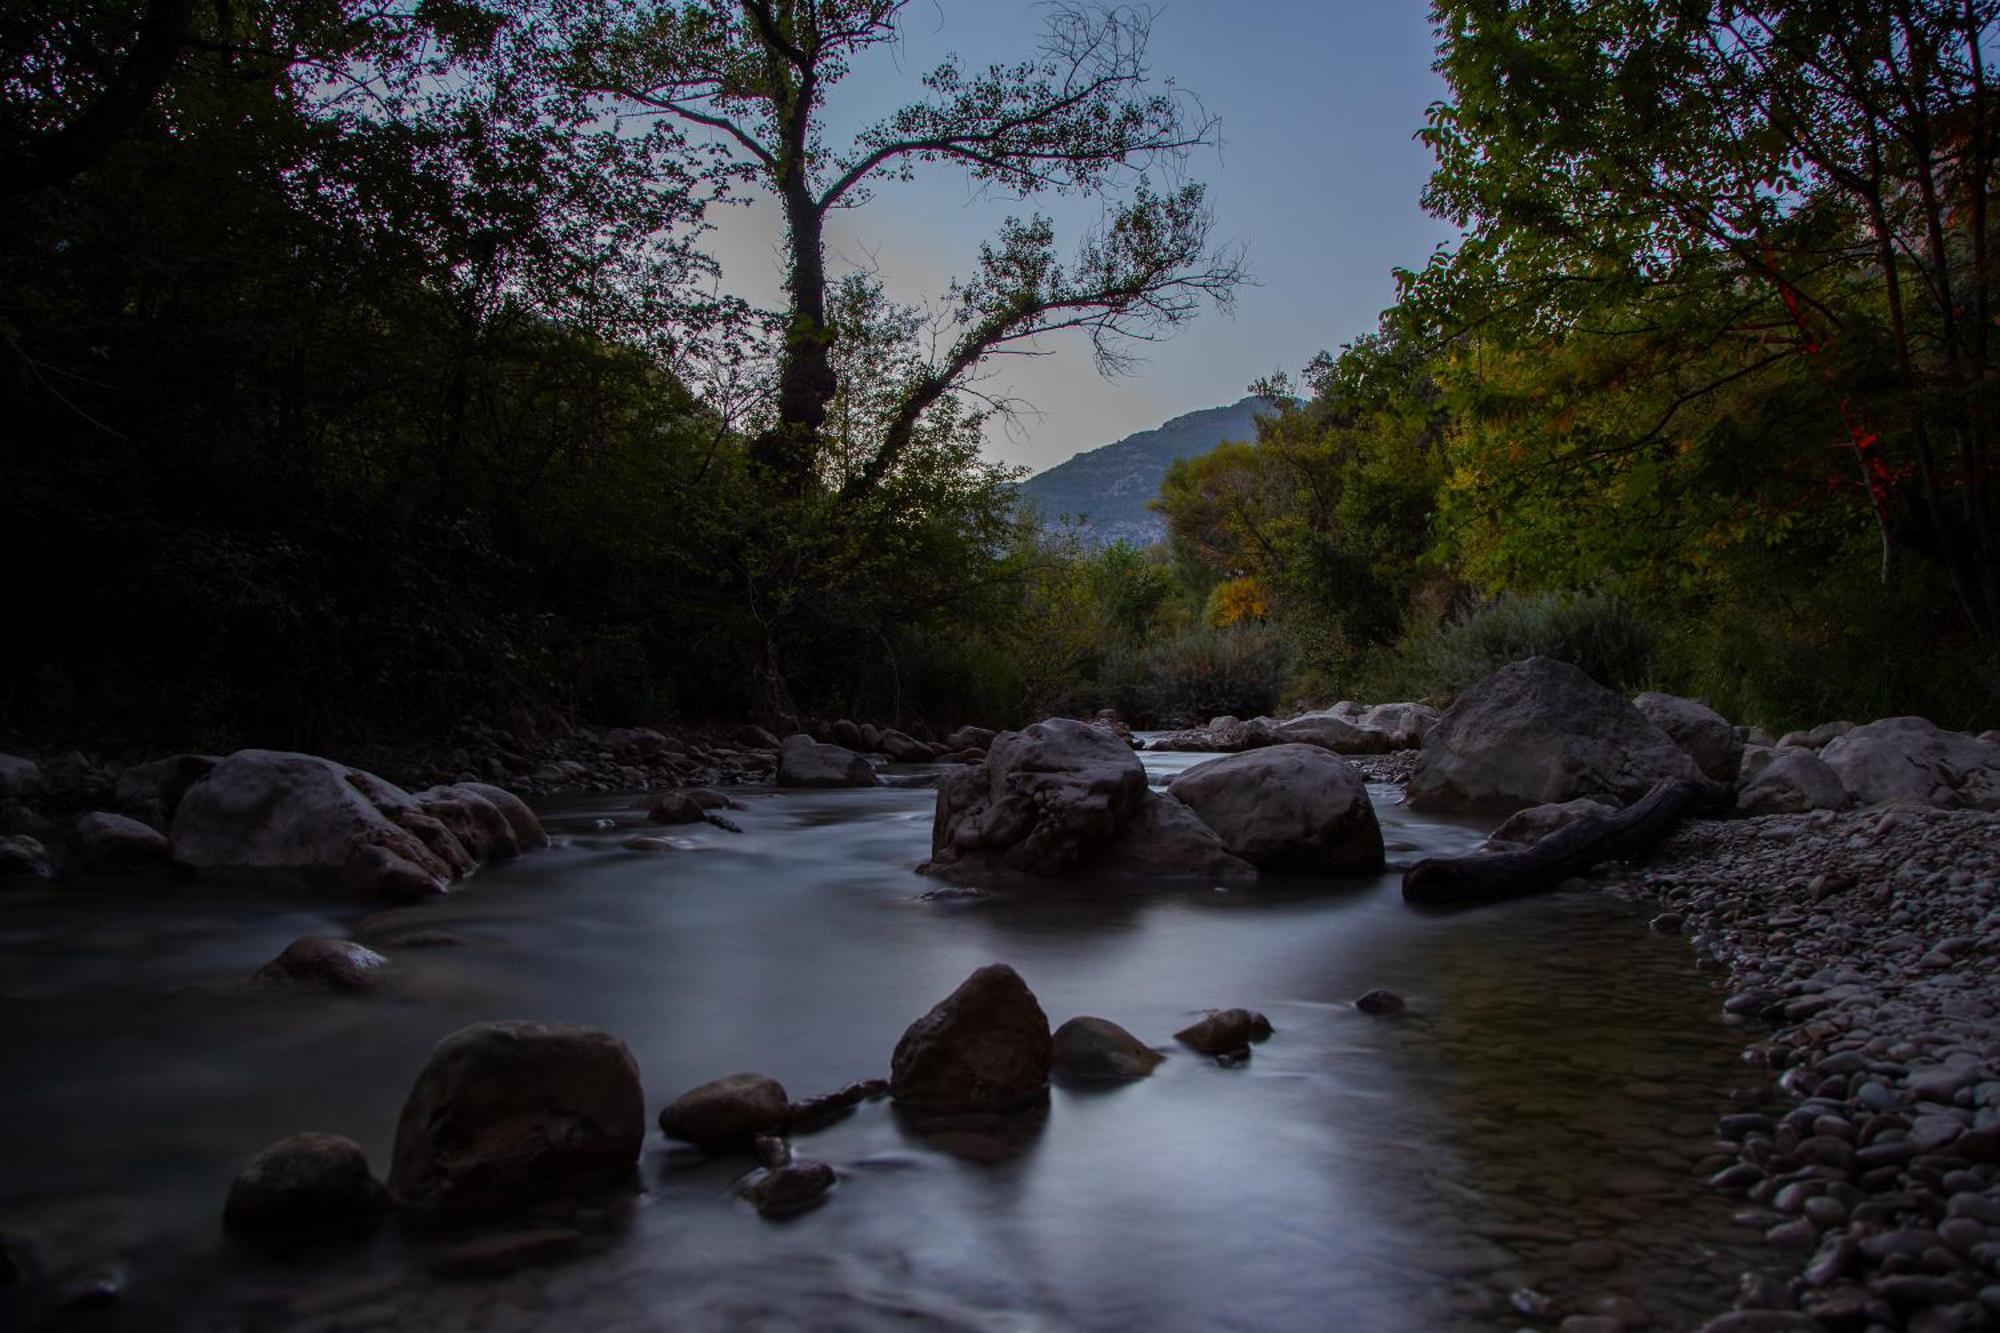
1455,881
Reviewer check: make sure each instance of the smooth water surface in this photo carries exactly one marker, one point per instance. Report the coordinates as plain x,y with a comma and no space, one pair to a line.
1532,1120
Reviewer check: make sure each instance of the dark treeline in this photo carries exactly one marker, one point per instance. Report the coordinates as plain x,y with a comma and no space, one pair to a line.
1704,399
362,369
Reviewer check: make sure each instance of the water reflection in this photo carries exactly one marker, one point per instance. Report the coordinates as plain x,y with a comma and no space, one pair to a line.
1556,1071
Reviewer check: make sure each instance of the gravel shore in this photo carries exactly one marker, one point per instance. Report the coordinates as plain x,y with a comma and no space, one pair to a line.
1864,958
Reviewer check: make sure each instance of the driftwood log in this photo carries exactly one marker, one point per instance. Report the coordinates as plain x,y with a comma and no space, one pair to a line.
1450,881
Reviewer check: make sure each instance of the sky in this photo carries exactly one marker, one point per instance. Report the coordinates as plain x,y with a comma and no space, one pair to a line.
1317,177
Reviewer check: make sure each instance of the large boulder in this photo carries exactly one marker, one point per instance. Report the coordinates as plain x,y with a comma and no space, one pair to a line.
504,1114
1541,731
20,776
152,791
105,841
1709,738
1167,841
1286,807
1042,800
727,1113
1341,735
984,1047
296,822
302,1188
805,762
1911,759
1787,781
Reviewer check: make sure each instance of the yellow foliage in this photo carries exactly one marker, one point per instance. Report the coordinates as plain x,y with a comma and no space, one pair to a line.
1236,601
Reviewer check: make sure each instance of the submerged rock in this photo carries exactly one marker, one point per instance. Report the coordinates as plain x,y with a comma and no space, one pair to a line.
1379,1001
504,1114
302,1188
317,963
805,762
727,1113
984,1047
1541,731
1286,807
1097,1048
1224,1031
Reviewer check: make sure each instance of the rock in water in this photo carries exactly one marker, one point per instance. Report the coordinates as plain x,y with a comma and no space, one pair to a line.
984,1047
106,841
805,762
296,822
787,1188
727,1113
480,826
1167,841
1225,1030
1044,798
528,831
1379,1001
1708,737
304,1188
317,963
507,1113
1540,731
1097,1048
1286,807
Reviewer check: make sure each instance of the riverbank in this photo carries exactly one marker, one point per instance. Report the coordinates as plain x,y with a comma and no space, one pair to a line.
1863,952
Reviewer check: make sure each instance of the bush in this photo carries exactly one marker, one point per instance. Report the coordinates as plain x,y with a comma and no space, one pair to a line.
1596,632
1199,673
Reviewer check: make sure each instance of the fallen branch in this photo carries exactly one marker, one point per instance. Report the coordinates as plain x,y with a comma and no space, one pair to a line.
1451,881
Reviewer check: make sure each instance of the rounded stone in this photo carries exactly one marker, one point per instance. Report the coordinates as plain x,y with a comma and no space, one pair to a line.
727,1113
305,1187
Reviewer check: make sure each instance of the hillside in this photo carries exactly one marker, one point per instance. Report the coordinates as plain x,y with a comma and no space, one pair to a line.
1106,489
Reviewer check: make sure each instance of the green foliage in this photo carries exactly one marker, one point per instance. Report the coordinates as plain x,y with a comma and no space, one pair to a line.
1594,631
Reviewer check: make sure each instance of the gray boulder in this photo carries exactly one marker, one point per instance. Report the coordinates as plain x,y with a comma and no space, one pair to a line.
303,1188
22,856
1708,737
1404,724
905,749
1342,735
1098,1049
1042,800
969,737
505,1114
727,1113
1542,731
1787,781
528,831
984,1047
1525,827
480,826
1286,807
152,791
1816,737
106,841
20,776
1167,841
805,762
1911,759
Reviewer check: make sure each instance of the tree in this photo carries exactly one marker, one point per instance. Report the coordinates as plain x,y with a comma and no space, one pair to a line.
755,77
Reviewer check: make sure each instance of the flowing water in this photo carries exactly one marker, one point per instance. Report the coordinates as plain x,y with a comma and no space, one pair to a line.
1531,1121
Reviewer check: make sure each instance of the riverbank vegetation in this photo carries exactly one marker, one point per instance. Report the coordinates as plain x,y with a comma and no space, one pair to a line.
365,370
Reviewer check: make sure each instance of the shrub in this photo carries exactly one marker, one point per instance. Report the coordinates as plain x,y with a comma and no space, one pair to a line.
1596,632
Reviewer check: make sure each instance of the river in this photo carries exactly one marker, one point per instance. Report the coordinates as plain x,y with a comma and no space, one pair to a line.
1531,1121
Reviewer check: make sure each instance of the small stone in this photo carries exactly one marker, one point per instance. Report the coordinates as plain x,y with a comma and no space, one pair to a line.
1225,1030
727,1113
786,1189
303,1188
1380,1001
1097,1048
315,962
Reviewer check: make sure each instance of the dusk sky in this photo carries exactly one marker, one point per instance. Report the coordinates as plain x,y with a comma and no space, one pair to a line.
1317,177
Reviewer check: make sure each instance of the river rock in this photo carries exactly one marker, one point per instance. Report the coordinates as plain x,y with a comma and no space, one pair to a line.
848,736
480,826
1526,827
805,762
727,1113
1542,731
1790,780
756,738
1339,734
676,807
1225,1030
1168,841
315,962
1709,738
105,841
1912,759
20,776
984,1047
1403,725
1379,1001
504,1114
1815,738
787,1188
529,834
904,749
24,857
1042,800
305,1187
152,791
1097,1048
1286,807
970,738
295,822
